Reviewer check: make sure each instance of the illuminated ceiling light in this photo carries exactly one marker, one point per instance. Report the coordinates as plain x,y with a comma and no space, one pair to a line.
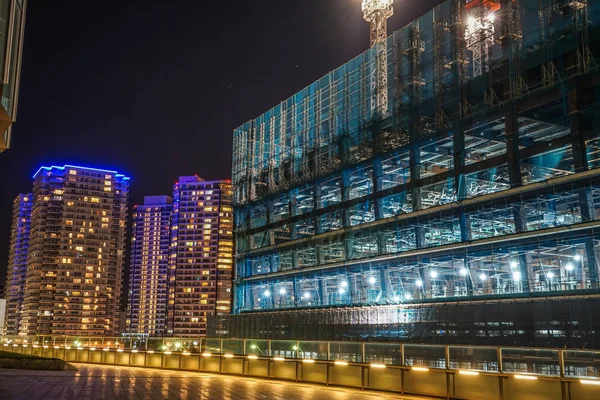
278,359
134,350
228,356
207,354
468,372
526,377
372,280
569,267
308,361
282,291
589,382
516,276
92,349
482,277
186,353
420,369
419,283
168,352
252,357
434,274
150,352
463,272
378,366
577,257
342,363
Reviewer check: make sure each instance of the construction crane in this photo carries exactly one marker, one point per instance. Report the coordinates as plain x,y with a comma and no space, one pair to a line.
479,32
377,12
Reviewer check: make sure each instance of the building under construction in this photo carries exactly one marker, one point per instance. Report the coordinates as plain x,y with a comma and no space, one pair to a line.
443,186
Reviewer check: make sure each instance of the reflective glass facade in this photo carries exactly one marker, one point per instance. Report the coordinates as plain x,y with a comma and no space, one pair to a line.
479,181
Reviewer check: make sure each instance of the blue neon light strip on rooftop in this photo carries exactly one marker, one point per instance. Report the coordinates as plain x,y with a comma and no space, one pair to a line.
117,175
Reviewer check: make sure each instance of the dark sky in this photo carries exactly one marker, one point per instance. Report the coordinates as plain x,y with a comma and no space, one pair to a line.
154,88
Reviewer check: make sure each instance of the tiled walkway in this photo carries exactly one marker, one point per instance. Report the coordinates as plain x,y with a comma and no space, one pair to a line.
103,382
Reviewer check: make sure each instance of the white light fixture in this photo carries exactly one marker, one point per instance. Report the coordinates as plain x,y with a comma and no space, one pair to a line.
492,18
228,356
463,272
516,276
378,366
267,293
468,372
308,361
550,275
186,353
306,295
526,377
342,290
278,359
419,283
252,357
577,257
344,284
372,280
434,274
342,363
420,369
569,267
482,277
471,20
207,354
589,382
282,291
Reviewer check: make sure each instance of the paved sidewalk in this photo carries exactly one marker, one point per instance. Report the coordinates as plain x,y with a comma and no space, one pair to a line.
107,382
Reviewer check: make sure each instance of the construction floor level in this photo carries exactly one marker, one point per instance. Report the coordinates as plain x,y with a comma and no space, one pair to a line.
472,180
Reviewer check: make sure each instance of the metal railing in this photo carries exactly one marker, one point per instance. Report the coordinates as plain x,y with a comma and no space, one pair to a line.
405,368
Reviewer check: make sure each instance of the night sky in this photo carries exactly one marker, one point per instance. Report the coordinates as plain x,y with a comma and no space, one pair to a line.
154,88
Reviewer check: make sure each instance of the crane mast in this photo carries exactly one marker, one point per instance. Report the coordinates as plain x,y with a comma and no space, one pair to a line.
377,12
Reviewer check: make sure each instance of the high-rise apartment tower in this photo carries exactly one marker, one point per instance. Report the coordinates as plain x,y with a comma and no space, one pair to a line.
17,262
147,302
201,256
76,252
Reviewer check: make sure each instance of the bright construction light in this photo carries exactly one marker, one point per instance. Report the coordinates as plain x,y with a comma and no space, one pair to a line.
342,290
491,18
372,280
378,366
471,21
308,361
279,359
420,369
569,267
252,357
526,377
434,274
482,277
207,354
550,275
342,363
253,346
516,276
463,272
266,293
282,291
177,345
468,372
408,296
577,257
344,284
514,264
306,295
589,382
396,299
419,283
